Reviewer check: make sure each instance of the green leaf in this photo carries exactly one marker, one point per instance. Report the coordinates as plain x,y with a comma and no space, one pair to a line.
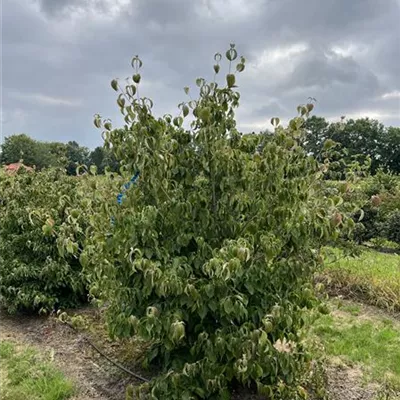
228,306
231,54
69,246
230,80
121,100
217,57
136,63
114,84
209,289
131,91
178,121
240,67
275,121
136,78
258,371
185,110
199,82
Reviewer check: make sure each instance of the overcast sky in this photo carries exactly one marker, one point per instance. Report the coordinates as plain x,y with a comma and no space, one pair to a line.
58,57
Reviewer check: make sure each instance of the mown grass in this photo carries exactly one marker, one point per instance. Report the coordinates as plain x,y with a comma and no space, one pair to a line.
369,342
24,375
373,277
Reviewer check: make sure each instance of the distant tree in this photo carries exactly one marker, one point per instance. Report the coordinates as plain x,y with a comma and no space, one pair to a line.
32,152
390,149
58,151
102,158
76,155
317,133
97,158
19,147
362,136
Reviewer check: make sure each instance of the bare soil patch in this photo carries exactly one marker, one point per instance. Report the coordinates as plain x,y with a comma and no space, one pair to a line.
94,376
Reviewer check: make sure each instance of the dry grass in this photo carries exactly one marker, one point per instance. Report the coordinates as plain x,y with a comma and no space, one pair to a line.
373,278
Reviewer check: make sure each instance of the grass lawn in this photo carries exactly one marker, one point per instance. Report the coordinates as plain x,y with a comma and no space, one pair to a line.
358,338
372,277
25,375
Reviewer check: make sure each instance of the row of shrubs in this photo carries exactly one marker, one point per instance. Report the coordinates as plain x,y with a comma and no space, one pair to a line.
43,220
39,272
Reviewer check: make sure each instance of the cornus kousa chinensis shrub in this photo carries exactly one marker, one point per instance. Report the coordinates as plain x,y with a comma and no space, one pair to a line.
44,221
211,251
35,275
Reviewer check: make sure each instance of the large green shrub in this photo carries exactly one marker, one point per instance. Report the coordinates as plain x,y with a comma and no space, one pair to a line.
212,251
381,182
381,193
392,227
370,226
34,275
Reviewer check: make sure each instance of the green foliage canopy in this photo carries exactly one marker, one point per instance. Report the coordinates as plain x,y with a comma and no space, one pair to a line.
211,254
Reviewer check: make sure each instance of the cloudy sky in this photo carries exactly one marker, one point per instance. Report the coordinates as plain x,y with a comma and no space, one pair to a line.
58,57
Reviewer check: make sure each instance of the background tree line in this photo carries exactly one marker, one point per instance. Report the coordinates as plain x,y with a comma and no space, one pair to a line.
354,138
359,139
55,154
365,141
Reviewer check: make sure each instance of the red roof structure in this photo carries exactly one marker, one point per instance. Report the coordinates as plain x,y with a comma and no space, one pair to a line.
12,169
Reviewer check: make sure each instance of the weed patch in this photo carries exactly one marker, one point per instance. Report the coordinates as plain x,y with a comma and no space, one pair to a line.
372,277
25,375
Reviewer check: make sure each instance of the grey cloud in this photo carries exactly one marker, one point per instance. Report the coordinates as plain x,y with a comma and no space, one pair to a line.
70,50
323,72
56,8
272,108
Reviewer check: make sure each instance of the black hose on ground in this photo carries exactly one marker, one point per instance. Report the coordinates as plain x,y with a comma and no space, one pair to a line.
121,367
